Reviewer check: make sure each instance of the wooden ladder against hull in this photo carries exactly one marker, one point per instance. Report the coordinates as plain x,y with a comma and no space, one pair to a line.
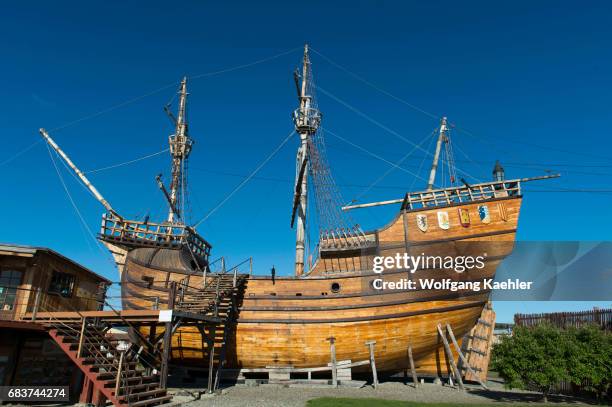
477,345
219,299
110,373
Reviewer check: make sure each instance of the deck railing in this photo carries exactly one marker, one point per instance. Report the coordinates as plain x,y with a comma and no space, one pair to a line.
133,232
449,196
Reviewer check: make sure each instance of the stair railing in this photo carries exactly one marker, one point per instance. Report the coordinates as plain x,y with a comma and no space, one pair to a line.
93,346
85,342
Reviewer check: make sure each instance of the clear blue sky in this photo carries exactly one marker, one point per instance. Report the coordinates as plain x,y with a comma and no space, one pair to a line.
530,81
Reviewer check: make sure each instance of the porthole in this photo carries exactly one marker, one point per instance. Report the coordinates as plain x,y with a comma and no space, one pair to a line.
335,287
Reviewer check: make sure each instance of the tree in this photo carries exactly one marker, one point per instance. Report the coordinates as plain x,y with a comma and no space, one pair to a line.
534,357
590,359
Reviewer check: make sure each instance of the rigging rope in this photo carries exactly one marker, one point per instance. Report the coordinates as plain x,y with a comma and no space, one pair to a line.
390,170
432,139
20,152
247,179
75,207
126,162
370,119
360,78
247,65
170,85
434,116
386,128
332,221
376,155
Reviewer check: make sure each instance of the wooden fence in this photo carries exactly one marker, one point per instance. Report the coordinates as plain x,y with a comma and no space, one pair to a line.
599,317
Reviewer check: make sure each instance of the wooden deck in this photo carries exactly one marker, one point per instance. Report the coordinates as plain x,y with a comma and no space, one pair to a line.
131,316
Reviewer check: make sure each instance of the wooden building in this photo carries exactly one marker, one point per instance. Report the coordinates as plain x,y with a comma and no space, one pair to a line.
38,279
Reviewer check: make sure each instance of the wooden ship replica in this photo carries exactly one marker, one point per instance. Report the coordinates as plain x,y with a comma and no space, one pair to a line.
291,322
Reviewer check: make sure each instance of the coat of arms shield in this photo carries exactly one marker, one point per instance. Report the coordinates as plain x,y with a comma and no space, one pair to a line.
421,221
443,220
483,212
464,217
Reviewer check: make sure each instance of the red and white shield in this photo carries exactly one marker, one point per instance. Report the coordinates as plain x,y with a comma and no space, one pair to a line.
464,217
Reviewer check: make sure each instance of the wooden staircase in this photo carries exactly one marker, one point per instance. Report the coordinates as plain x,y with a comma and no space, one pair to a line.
477,345
117,374
219,298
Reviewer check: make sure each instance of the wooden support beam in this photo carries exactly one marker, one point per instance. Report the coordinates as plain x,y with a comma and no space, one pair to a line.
36,303
462,357
370,344
167,344
334,366
415,380
86,391
119,373
211,359
81,337
449,357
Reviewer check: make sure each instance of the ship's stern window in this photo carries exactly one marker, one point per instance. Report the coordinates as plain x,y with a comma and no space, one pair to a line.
335,287
62,284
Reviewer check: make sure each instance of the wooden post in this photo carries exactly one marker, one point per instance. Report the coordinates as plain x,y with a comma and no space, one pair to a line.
371,344
235,278
449,357
211,358
217,299
334,366
36,303
415,380
163,380
462,357
81,337
250,266
151,345
119,372
86,391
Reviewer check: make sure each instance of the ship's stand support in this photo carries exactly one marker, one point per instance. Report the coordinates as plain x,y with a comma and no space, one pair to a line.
122,364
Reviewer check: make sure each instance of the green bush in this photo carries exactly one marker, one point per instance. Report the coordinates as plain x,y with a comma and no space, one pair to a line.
590,366
543,356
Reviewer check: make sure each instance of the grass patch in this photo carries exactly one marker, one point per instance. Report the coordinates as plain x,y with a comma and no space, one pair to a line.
345,402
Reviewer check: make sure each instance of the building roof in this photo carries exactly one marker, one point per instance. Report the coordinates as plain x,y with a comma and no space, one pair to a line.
31,251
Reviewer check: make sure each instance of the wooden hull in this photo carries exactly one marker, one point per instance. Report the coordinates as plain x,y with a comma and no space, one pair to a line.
288,321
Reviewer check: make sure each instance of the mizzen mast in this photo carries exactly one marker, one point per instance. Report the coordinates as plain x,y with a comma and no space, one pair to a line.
306,119
180,147
442,138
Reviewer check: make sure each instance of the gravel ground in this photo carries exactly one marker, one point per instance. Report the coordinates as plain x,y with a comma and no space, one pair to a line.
278,395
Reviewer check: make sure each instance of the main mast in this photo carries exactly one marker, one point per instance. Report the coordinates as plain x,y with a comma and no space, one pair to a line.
180,147
306,120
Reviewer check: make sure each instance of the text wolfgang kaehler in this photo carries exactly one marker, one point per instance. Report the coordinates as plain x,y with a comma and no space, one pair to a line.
459,264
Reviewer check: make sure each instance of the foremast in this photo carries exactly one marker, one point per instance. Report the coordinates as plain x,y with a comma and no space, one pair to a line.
119,234
306,119
180,148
